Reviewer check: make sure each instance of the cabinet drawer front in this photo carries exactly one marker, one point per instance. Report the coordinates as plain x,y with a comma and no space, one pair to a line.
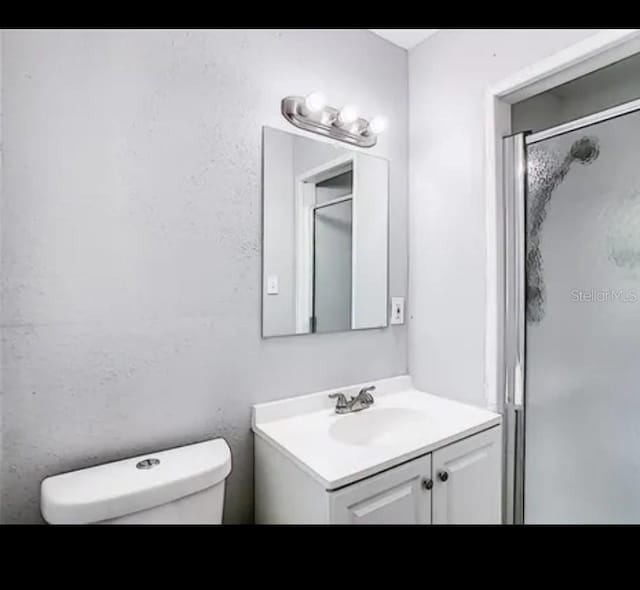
467,478
397,496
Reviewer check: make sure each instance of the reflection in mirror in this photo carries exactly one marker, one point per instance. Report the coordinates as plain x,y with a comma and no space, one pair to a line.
325,237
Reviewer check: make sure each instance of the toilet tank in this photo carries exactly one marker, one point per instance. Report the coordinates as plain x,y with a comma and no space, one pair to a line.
184,485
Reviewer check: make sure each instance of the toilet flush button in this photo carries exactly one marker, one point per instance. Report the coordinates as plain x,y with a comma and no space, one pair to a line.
147,463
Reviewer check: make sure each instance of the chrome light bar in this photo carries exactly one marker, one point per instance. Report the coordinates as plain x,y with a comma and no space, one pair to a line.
341,124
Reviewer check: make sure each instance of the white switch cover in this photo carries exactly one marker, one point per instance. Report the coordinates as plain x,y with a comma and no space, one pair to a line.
397,310
272,285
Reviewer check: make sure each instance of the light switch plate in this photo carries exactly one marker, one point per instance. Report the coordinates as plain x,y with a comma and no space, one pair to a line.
272,285
397,310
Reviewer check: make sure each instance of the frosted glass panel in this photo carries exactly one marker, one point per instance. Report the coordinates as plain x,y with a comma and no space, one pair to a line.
582,452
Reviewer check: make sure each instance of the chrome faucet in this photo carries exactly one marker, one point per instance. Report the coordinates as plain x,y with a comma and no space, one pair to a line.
361,401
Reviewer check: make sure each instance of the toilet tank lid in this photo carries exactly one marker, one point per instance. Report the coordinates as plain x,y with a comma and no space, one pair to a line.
124,487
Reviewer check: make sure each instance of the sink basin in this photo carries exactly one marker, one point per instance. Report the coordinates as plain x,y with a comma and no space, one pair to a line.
377,426
340,449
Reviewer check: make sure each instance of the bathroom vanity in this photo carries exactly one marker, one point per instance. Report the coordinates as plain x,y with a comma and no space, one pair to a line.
410,458
334,457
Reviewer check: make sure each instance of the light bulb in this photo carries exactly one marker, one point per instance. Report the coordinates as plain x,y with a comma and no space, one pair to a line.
378,124
315,102
347,115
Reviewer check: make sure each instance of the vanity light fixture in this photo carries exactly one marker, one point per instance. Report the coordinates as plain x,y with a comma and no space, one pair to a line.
313,103
312,113
347,115
378,124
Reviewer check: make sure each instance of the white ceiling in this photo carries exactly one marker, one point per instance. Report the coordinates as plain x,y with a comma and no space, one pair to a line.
406,38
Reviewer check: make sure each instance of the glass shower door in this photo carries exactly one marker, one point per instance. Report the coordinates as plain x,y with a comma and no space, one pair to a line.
582,324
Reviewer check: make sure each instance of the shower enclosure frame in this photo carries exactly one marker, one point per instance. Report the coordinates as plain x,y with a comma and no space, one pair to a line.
515,187
502,356
513,410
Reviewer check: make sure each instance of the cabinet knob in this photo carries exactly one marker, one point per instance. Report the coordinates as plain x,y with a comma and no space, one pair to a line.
427,483
443,475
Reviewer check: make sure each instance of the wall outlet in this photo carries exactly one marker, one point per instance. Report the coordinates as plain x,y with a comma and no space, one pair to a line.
272,285
397,310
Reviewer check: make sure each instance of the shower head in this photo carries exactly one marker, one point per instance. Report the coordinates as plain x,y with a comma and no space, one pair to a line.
585,150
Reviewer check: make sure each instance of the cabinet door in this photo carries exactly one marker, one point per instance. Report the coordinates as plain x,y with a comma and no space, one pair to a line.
398,496
467,478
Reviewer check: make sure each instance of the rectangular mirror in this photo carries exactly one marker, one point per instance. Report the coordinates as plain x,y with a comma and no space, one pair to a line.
325,236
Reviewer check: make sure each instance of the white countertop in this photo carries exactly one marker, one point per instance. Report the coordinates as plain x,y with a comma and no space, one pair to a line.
304,428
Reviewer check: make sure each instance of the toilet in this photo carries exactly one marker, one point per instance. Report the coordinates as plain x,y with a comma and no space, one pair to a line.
184,485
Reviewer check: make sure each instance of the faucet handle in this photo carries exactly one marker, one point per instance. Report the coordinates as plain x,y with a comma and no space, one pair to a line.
364,394
342,400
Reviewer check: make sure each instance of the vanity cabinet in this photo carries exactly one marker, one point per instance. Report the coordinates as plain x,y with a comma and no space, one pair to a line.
401,495
467,482
458,483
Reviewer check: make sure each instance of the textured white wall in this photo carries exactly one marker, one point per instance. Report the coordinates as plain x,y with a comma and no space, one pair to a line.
131,241
449,75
